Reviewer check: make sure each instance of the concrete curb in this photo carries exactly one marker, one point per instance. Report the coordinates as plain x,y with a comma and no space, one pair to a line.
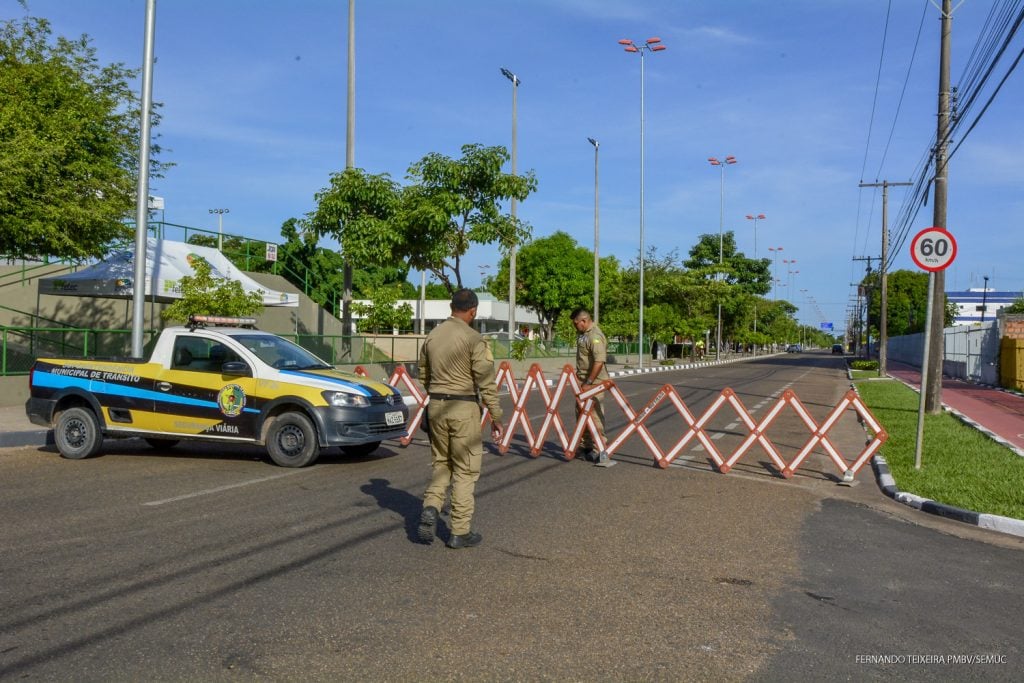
886,482
667,368
34,437
1006,525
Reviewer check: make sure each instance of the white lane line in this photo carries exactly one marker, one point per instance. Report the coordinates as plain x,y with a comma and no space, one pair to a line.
731,426
206,492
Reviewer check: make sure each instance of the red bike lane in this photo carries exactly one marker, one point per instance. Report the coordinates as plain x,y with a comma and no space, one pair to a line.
999,412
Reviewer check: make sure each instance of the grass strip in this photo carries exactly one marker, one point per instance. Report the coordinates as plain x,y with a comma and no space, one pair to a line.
960,466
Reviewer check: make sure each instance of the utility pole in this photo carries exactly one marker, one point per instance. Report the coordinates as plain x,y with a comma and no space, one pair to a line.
867,305
883,314
350,162
932,374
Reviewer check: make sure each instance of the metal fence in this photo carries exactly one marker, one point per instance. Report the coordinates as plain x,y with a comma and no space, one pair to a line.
20,346
970,352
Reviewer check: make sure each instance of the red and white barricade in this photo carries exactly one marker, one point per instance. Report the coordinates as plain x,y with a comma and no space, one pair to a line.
696,428
567,379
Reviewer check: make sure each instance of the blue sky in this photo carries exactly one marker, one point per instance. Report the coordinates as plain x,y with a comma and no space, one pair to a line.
254,96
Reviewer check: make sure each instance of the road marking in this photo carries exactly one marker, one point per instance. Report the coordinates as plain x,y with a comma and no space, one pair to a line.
206,492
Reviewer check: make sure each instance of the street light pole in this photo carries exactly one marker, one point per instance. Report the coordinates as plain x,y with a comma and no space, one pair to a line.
789,277
512,251
597,233
775,272
651,45
220,226
984,298
755,217
727,161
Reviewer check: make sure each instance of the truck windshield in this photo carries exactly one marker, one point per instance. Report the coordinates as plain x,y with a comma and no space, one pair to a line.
281,353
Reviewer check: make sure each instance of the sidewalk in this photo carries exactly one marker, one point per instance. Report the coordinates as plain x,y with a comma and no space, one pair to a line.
998,413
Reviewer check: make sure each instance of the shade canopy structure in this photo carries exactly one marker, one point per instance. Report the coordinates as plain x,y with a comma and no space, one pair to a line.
167,262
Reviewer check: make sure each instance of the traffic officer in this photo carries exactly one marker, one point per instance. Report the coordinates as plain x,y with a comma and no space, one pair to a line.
591,358
457,370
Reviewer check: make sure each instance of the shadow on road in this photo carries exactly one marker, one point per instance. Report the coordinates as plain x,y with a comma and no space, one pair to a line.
402,502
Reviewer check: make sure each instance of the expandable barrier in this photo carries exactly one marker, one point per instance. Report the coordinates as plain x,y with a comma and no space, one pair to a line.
536,383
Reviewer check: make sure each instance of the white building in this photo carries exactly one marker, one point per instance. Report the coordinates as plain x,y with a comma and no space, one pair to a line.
491,314
978,304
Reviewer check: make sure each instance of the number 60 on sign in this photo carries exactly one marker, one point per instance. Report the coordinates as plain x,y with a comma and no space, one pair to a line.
933,249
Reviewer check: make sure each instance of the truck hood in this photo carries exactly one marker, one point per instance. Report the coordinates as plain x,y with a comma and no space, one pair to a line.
342,381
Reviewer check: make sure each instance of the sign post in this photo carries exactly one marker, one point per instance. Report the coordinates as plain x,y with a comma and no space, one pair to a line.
932,249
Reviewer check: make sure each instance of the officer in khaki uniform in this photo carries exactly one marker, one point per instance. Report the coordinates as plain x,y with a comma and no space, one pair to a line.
457,370
591,358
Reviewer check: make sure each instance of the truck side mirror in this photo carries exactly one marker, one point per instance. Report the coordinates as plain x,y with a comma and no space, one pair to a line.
237,368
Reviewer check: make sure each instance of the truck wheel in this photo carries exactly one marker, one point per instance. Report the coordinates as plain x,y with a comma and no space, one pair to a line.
361,450
77,433
291,441
161,444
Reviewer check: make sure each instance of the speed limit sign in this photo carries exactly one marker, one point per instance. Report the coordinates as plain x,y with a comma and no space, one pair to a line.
933,249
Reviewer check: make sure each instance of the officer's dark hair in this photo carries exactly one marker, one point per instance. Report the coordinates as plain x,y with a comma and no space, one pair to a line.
464,299
578,312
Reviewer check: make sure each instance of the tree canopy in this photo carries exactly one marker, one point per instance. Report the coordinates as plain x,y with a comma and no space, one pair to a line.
203,294
69,135
906,305
553,276
430,224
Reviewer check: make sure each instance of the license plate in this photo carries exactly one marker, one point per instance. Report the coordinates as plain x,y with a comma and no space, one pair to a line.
395,418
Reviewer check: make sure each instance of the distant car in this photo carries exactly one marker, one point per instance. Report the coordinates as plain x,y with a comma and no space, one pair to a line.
837,349
793,348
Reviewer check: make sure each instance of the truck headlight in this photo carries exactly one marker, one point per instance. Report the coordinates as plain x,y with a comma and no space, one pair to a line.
340,399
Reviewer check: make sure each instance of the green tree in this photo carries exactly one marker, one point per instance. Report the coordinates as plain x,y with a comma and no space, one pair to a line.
203,294
907,305
752,275
1016,307
453,203
315,270
69,135
554,275
383,313
360,211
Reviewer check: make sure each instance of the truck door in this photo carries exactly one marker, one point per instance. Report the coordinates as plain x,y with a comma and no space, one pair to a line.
197,397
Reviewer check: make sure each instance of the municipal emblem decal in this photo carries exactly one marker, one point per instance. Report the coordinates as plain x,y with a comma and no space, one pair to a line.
231,400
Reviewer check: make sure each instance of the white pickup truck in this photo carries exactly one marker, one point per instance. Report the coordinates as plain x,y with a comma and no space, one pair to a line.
214,380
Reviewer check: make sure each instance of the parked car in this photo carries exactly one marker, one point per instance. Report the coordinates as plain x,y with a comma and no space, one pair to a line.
837,349
215,380
793,348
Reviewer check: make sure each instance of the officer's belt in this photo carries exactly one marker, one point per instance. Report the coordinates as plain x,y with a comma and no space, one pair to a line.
453,397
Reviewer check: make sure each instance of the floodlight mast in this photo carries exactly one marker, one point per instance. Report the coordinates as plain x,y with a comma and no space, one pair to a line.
650,45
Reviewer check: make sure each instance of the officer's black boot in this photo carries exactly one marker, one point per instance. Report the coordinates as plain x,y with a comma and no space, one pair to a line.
465,540
428,520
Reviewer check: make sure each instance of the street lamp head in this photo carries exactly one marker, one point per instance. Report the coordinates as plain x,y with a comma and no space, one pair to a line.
730,159
657,48
631,48
714,162
625,41
510,76
594,142
652,41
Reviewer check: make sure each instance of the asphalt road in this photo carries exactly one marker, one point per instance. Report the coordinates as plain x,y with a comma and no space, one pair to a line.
201,563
